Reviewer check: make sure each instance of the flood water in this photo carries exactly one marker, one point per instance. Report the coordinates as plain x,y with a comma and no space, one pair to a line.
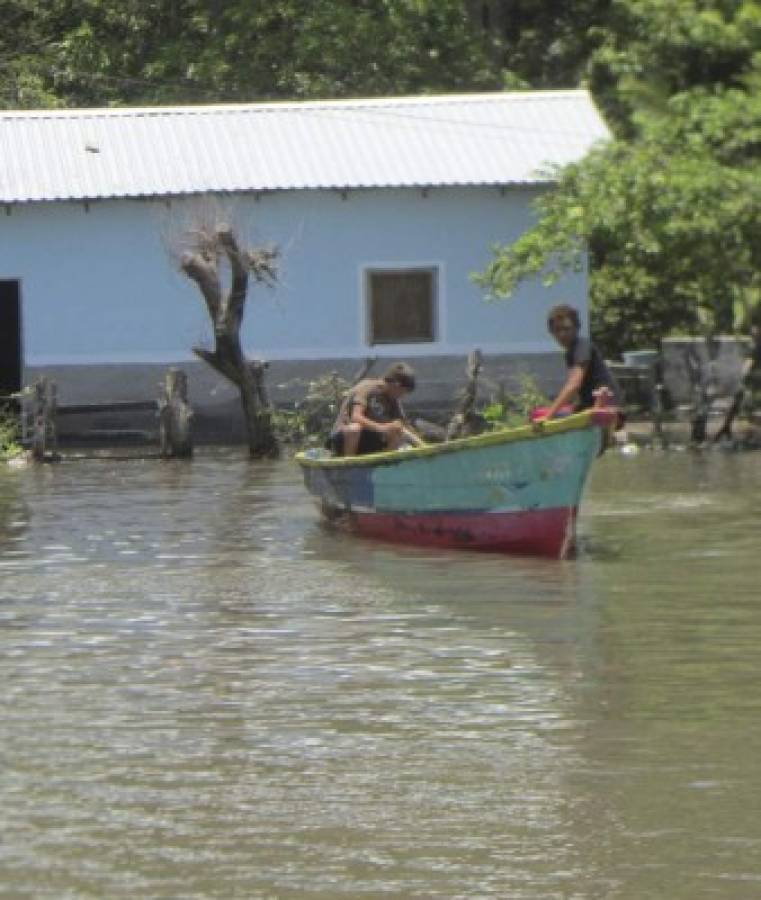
204,695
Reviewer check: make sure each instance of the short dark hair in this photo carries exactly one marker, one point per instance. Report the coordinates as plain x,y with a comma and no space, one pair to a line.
562,311
402,374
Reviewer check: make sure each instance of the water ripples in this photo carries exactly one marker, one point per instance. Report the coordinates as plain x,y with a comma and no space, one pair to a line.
205,695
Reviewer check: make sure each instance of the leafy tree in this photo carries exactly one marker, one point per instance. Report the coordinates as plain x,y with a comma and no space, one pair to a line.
542,43
96,52
669,211
652,50
672,224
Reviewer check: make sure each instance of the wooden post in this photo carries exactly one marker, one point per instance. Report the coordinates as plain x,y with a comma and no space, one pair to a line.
175,416
44,406
745,388
700,380
464,420
657,394
38,420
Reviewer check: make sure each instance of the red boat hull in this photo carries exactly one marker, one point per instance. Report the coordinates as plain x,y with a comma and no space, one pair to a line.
545,532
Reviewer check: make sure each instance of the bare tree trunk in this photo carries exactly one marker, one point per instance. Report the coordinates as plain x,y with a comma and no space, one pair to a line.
226,314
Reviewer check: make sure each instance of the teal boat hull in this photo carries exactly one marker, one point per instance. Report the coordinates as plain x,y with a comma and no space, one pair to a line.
516,491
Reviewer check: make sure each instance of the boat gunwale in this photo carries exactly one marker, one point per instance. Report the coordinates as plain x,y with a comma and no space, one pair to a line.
590,418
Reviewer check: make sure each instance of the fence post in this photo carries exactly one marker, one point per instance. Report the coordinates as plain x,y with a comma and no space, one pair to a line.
175,416
464,420
44,407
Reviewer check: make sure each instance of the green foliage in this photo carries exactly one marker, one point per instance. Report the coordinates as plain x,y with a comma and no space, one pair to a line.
100,52
652,50
542,44
669,212
103,52
9,445
289,426
673,238
513,410
311,420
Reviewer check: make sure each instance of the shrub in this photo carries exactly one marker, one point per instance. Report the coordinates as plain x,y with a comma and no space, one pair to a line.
9,435
513,410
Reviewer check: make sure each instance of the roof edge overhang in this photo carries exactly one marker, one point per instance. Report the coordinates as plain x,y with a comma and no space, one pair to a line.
257,191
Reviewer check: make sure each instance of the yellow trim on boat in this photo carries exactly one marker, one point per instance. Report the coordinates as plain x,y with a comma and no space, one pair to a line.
576,422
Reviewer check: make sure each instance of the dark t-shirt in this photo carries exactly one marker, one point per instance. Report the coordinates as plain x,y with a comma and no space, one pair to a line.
377,405
596,374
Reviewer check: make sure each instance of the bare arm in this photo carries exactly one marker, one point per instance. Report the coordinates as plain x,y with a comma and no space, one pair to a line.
408,431
568,391
412,435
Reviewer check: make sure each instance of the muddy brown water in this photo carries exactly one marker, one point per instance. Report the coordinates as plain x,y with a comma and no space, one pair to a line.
203,694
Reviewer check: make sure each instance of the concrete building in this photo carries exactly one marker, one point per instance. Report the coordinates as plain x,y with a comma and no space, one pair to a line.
382,209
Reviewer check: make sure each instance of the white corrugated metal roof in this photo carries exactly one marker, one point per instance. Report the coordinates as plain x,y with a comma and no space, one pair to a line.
500,138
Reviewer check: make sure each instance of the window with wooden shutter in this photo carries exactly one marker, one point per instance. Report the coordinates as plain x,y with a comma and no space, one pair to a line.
401,305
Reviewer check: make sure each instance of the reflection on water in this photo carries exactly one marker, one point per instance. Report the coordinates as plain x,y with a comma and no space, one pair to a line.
207,695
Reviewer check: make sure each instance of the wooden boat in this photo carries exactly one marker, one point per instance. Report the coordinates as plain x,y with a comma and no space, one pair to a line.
511,491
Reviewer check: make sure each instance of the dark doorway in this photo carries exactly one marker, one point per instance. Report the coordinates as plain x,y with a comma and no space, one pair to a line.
10,336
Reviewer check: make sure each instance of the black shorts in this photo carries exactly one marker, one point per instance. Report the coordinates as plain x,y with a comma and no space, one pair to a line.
369,442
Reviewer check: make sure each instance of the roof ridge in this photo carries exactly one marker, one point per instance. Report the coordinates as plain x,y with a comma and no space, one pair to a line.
274,106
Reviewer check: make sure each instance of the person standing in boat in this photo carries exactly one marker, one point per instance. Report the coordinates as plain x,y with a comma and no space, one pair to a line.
371,418
589,380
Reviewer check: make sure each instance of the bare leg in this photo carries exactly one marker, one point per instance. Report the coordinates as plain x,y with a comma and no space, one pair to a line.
351,433
394,441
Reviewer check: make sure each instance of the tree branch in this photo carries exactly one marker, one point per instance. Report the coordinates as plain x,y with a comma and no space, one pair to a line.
232,310
262,263
204,272
219,364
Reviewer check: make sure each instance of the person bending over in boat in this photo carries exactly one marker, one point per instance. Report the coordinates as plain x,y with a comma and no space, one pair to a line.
589,381
371,418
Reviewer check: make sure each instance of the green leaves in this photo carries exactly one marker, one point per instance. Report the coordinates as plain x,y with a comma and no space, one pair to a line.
9,436
100,52
673,233
670,213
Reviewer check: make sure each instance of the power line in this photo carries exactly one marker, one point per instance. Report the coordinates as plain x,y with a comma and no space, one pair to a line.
369,115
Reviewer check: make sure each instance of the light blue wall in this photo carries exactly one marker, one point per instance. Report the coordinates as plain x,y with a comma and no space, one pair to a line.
100,286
